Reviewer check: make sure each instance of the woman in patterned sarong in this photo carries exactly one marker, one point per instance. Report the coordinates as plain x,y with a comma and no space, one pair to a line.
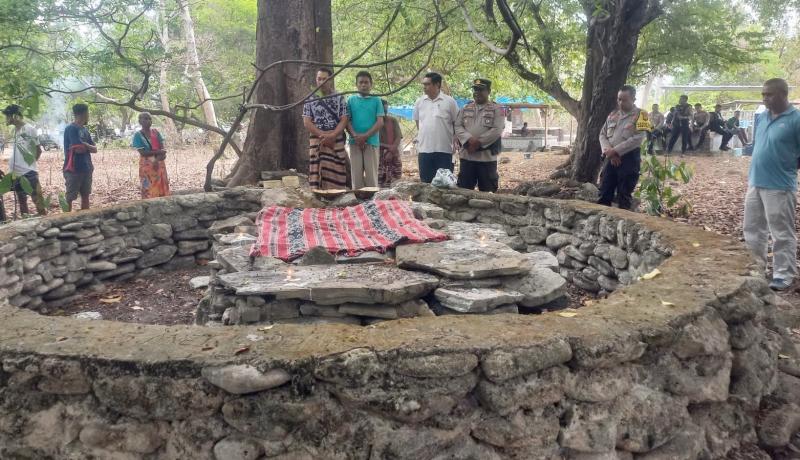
325,118
390,167
152,168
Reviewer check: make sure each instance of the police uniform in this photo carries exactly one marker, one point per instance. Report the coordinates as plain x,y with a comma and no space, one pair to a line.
485,122
680,127
620,133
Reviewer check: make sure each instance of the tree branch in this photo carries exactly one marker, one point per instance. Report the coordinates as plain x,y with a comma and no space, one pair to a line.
483,40
551,87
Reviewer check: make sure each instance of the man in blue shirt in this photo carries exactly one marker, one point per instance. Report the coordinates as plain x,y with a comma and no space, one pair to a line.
365,115
78,150
769,208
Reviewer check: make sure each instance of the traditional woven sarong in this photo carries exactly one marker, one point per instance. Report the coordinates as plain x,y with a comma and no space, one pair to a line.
390,167
327,168
288,233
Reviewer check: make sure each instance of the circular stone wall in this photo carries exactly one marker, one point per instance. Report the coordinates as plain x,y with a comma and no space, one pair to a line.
667,367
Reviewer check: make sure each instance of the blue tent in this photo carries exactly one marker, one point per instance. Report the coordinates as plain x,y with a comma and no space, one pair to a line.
406,111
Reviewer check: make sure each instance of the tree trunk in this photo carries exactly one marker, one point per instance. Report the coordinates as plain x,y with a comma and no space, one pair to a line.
611,43
125,114
193,65
299,29
163,83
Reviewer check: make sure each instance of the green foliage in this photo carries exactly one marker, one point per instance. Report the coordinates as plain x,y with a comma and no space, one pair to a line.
62,202
693,39
458,57
7,183
659,198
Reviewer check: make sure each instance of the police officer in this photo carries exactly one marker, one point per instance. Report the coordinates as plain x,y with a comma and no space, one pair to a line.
680,125
620,140
479,125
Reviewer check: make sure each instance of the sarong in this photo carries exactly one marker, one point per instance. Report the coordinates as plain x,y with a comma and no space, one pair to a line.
153,177
390,167
327,168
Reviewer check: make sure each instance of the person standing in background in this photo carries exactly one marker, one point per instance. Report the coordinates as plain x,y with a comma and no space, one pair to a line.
390,168
435,114
152,168
78,150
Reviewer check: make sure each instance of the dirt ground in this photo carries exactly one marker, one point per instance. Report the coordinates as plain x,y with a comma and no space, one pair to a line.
116,174
157,299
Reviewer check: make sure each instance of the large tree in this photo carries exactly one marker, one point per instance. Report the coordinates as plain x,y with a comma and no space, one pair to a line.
545,39
543,33
295,30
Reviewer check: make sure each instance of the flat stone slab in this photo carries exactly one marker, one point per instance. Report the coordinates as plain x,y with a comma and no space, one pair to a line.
334,284
237,259
199,282
363,258
465,258
236,239
228,225
457,230
424,210
539,286
475,300
543,259
88,315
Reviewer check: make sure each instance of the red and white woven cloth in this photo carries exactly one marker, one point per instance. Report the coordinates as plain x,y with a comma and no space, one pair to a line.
288,233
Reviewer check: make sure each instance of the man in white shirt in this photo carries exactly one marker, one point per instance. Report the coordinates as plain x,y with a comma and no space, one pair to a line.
22,161
435,114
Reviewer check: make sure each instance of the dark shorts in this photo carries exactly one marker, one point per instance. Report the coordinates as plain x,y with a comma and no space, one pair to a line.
33,179
77,184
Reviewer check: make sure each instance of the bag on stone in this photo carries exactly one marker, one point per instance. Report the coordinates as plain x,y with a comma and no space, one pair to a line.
444,179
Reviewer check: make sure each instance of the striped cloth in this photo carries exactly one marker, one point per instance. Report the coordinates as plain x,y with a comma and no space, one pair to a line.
328,168
288,233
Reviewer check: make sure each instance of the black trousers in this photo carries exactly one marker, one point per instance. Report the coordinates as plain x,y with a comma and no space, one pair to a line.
480,173
726,135
621,180
656,135
430,162
681,128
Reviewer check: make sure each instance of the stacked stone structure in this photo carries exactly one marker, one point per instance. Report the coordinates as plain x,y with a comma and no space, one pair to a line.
678,364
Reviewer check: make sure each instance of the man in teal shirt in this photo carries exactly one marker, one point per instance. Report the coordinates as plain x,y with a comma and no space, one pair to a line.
769,207
366,120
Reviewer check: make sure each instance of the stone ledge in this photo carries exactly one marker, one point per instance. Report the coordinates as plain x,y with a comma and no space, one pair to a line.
642,342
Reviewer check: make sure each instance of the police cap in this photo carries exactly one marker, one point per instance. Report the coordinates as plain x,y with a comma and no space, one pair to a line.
482,83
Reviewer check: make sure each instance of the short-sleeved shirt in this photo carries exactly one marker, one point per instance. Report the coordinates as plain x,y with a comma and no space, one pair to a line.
733,123
436,119
77,158
325,113
364,112
25,143
776,149
486,122
142,142
620,132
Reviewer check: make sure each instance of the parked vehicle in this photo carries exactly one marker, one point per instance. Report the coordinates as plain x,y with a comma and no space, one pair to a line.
48,142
